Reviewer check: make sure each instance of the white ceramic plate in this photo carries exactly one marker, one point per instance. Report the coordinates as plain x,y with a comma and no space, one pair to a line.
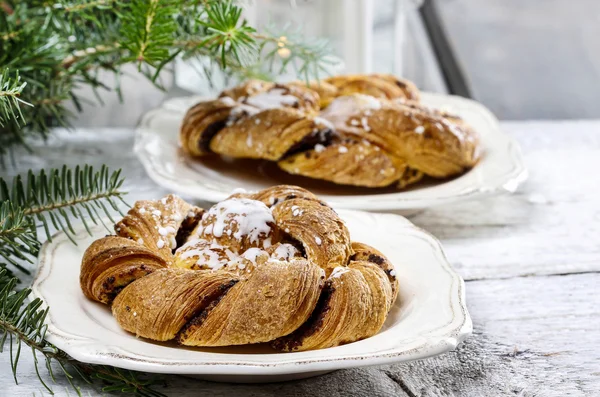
429,318
157,145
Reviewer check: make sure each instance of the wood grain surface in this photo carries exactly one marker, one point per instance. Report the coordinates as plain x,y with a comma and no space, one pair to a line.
531,261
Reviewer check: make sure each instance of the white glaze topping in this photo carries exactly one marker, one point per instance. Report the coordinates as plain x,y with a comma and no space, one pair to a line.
319,148
344,111
207,254
274,98
227,101
324,122
252,253
284,252
338,271
251,217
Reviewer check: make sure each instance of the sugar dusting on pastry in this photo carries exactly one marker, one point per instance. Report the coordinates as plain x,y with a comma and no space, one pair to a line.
227,101
350,113
272,99
324,122
264,280
338,271
284,252
365,124
252,254
208,255
319,148
166,218
239,217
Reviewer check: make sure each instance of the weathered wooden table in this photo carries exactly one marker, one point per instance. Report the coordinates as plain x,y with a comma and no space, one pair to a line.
531,261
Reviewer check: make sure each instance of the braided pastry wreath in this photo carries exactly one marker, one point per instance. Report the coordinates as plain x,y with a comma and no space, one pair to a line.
276,266
363,130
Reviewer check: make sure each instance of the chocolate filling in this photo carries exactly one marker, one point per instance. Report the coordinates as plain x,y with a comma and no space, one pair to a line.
324,137
187,227
209,133
208,303
113,294
376,259
400,84
311,326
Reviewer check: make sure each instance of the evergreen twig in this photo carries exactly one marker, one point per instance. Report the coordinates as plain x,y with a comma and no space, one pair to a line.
53,198
10,90
22,326
57,47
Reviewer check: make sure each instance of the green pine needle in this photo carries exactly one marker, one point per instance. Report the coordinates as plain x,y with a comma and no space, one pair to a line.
53,199
65,44
228,36
10,103
148,27
22,325
18,240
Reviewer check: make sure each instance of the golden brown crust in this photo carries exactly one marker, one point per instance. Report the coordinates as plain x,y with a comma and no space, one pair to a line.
354,306
246,89
323,235
255,120
111,263
201,123
158,306
278,193
252,270
155,223
263,95
429,142
384,86
269,135
272,302
366,253
348,162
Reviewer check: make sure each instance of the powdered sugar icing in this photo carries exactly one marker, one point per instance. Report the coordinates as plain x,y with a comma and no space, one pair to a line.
239,217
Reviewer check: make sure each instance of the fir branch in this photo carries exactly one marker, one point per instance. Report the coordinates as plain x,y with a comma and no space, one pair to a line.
17,237
228,33
64,44
83,5
22,325
10,90
287,47
56,198
148,29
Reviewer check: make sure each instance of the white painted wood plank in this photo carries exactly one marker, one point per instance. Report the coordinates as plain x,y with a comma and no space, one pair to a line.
552,224
534,336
